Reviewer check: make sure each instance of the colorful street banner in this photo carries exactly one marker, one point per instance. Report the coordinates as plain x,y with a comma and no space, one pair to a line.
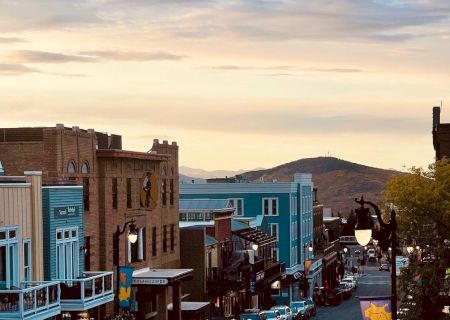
307,267
375,308
125,280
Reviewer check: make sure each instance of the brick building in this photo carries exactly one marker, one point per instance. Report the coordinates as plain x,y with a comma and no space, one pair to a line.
118,186
441,135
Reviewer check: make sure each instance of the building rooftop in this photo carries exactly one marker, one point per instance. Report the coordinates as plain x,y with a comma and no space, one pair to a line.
210,205
104,153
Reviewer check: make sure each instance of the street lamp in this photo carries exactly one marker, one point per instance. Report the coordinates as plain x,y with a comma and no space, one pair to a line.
410,249
132,237
363,233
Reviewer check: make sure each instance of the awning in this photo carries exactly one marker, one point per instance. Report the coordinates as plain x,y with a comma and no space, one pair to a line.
191,306
251,234
160,277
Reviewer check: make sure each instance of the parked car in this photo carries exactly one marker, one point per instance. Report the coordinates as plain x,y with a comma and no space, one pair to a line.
271,314
285,312
371,254
252,316
384,267
351,282
334,299
310,306
346,290
357,251
299,309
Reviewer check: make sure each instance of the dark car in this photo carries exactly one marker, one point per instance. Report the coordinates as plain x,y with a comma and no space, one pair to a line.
334,299
345,289
357,251
384,267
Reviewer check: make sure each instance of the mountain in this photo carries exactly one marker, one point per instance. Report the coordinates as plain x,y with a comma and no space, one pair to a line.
338,181
187,179
204,174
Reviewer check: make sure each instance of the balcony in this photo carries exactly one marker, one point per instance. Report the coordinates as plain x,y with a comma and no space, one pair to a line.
90,290
31,300
327,250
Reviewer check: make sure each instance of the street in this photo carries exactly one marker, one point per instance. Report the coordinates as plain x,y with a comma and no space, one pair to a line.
372,283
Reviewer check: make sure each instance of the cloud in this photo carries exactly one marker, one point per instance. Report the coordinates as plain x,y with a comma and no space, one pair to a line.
283,68
11,40
31,56
131,55
15,69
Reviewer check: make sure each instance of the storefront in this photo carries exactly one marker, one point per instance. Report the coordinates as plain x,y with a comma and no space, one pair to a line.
154,289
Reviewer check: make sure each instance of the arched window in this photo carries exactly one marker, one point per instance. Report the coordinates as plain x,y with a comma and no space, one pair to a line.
71,168
164,172
85,167
172,172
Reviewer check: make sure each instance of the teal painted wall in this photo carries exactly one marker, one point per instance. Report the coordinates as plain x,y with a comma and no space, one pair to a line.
57,197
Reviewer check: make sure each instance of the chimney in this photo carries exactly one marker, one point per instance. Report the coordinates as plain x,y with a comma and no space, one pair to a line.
193,181
436,117
315,195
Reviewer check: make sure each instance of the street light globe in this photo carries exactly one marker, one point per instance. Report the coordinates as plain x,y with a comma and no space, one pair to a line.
132,236
310,248
410,249
446,310
254,246
363,236
365,247
345,250
417,248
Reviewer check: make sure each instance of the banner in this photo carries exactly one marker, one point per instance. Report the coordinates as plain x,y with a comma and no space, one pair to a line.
375,308
307,267
125,280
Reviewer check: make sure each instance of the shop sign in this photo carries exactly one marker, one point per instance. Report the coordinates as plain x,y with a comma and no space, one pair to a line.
66,212
153,281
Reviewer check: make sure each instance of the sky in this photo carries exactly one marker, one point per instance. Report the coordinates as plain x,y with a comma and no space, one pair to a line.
237,84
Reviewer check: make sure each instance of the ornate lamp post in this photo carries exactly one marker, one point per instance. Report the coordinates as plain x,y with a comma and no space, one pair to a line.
363,233
132,237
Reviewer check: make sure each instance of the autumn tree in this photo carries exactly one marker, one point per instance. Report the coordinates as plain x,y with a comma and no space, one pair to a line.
422,203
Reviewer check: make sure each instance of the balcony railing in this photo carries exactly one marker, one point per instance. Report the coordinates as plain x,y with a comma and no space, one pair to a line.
31,300
90,290
331,247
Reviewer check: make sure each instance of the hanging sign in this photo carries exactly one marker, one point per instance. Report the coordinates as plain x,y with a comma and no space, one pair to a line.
125,280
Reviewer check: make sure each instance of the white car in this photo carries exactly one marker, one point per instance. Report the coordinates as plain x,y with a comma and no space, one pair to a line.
352,282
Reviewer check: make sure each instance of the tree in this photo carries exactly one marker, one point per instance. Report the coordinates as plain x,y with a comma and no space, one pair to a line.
422,203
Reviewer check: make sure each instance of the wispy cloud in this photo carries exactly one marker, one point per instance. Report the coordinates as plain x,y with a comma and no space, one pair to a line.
131,55
283,68
15,69
337,70
31,56
9,40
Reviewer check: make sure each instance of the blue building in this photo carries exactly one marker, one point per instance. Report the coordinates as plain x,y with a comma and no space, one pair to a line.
288,209
82,292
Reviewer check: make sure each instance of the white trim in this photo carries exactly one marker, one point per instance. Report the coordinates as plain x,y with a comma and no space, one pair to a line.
61,187
270,207
235,206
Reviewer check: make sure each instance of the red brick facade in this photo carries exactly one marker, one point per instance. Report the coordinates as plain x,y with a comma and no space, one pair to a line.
111,174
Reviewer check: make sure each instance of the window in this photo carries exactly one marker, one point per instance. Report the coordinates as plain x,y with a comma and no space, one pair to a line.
165,238
136,251
164,192
172,193
9,258
274,233
71,168
85,167
129,205
237,204
27,260
154,242
67,250
172,237
87,253
86,194
114,193
270,206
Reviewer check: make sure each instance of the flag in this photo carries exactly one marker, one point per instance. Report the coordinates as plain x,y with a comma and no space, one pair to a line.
375,308
125,279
